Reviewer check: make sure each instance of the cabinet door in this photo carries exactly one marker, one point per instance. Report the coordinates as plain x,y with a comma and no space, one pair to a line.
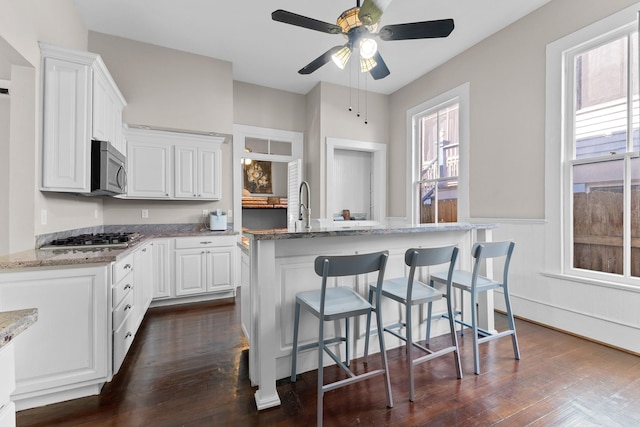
68,345
191,272
209,173
103,110
143,281
186,186
149,168
66,153
161,281
219,269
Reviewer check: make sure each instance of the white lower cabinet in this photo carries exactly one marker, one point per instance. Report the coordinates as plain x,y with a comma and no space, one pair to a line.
204,266
7,385
65,354
161,268
132,280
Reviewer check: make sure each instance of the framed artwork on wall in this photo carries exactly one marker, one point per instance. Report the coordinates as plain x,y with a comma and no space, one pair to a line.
257,177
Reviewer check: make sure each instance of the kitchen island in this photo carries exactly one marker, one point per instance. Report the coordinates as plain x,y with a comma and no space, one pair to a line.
279,263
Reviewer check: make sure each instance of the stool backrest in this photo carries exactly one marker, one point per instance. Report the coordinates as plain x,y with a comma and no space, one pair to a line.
350,265
484,250
426,257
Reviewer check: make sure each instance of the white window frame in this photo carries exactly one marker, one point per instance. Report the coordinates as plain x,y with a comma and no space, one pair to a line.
460,95
558,149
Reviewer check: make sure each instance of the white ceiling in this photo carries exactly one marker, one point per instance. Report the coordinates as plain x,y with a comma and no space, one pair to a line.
269,53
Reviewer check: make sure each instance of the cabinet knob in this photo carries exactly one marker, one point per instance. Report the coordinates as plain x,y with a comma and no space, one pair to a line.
127,286
166,194
144,250
194,195
202,252
129,334
126,266
127,307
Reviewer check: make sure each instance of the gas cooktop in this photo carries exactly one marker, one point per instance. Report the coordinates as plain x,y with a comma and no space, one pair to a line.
97,240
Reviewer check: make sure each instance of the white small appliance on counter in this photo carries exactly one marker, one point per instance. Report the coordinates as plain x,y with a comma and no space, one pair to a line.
218,220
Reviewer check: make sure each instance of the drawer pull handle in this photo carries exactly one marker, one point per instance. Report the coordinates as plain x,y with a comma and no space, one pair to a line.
126,266
205,243
128,335
127,307
127,286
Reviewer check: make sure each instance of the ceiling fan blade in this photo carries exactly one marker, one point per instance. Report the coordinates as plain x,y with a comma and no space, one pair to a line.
371,11
380,71
319,61
305,22
417,30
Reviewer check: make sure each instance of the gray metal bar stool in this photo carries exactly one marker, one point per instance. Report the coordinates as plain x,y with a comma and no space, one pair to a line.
410,292
335,303
474,283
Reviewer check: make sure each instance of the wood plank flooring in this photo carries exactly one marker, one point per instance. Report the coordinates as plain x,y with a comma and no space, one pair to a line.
189,367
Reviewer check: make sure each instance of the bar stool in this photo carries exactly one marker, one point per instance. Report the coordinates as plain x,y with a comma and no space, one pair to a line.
335,303
410,292
474,283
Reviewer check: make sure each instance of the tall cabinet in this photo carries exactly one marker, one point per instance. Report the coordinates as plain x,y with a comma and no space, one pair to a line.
80,102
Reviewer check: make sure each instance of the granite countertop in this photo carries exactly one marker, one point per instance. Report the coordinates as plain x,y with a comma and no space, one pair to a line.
34,258
282,234
12,323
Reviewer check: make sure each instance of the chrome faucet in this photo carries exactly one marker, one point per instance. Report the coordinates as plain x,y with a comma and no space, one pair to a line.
306,207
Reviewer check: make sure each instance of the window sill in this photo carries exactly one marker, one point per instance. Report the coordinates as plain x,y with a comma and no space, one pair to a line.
629,287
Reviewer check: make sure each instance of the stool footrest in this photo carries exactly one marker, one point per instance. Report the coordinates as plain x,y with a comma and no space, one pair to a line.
353,379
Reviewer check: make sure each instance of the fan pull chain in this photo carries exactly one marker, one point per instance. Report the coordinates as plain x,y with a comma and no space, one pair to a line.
358,113
350,77
366,104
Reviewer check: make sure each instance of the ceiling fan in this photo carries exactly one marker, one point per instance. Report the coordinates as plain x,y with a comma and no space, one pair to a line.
360,25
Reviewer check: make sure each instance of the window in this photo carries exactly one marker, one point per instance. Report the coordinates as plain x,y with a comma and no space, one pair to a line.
437,142
593,151
602,154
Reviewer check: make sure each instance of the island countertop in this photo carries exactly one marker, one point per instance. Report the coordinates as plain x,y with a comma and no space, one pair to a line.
283,233
12,323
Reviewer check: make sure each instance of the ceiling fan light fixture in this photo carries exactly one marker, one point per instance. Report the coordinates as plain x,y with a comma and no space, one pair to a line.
341,57
349,19
368,48
367,64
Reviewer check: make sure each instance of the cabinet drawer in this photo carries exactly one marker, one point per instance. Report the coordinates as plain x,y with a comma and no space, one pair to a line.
204,242
121,289
122,339
122,268
122,310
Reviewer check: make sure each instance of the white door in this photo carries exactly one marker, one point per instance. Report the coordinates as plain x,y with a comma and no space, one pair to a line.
294,179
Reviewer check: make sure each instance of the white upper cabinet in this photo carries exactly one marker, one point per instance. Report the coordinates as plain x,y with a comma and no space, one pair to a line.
108,104
149,170
173,165
80,102
66,149
197,170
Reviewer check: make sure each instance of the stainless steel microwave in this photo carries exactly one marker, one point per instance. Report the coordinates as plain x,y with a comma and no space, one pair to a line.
108,170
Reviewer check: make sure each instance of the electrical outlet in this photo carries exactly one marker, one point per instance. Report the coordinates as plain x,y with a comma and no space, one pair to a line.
145,213
229,214
205,213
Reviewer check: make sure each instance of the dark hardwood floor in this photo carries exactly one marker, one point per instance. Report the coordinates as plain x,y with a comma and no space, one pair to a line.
188,367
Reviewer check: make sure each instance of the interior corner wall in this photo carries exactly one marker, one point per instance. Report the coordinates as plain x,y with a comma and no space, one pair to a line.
311,170
264,107
22,25
368,121
167,88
